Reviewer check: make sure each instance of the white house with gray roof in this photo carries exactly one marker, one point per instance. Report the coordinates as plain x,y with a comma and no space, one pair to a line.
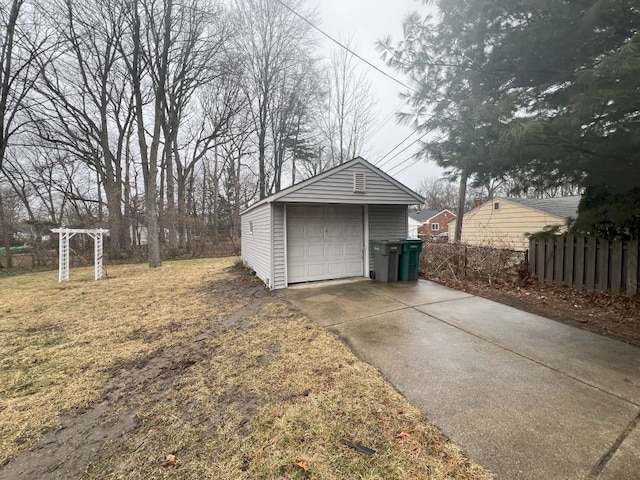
320,229
504,222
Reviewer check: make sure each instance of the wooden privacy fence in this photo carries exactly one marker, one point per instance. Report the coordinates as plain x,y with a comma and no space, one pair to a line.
588,263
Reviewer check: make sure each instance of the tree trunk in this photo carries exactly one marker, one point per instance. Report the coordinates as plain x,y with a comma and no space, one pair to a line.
149,160
6,234
216,213
170,218
462,194
182,211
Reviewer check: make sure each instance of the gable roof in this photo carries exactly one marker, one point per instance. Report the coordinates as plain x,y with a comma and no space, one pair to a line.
423,216
563,207
410,195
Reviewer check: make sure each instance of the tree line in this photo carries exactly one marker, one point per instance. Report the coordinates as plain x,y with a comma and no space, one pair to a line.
163,119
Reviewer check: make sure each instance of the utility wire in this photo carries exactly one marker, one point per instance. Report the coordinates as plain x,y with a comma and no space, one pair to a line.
408,166
378,163
386,119
403,150
410,158
345,47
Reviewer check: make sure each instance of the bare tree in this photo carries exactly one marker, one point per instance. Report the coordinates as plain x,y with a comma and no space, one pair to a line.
147,64
22,41
349,111
89,109
272,40
197,59
295,104
439,193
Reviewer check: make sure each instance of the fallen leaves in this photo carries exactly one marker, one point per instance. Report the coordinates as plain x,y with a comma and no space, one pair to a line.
301,464
170,461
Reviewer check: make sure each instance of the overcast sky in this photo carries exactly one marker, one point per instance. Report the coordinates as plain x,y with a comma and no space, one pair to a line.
365,22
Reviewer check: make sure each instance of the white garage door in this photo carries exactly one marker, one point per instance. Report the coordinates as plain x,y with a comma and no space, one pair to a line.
324,242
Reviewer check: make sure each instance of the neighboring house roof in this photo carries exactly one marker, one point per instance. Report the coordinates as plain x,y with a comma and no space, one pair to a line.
423,216
327,173
564,207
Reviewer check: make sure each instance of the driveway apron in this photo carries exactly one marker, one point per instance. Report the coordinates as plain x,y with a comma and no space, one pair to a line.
527,397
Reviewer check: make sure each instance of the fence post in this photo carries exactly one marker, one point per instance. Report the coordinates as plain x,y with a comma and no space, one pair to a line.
540,257
532,256
558,260
569,247
548,263
578,281
591,256
632,268
615,266
465,262
603,265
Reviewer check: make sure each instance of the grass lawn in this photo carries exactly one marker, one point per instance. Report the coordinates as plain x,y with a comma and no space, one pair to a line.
194,370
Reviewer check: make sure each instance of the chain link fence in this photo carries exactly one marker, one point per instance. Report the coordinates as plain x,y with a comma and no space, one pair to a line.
457,262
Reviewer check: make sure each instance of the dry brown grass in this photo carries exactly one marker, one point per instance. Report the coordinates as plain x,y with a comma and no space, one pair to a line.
272,397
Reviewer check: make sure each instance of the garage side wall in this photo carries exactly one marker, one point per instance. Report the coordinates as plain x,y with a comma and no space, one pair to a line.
279,264
387,222
256,241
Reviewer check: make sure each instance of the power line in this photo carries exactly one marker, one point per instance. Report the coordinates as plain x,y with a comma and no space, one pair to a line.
408,166
380,162
345,47
386,119
404,149
410,158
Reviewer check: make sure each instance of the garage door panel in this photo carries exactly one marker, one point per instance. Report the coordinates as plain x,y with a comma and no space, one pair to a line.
336,268
296,233
353,231
297,270
352,249
316,251
354,269
316,269
324,242
335,232
316,231
296,252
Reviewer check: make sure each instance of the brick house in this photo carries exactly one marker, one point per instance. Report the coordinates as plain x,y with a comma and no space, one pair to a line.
433,223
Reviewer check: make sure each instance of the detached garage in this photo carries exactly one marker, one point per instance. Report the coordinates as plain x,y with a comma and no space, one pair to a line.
320,229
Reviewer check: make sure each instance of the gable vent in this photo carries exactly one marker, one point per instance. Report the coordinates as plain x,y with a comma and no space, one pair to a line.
359,182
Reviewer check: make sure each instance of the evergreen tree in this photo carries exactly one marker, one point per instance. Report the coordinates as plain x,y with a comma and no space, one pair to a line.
543,92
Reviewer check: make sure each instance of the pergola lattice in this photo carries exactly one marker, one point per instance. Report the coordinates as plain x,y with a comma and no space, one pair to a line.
63,259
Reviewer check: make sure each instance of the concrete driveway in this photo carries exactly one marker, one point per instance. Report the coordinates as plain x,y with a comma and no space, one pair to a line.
527,397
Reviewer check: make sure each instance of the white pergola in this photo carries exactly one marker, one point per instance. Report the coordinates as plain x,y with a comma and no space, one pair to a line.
63,260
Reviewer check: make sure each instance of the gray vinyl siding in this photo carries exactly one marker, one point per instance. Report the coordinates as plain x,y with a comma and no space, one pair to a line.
386,222
338,188
256,246
279,264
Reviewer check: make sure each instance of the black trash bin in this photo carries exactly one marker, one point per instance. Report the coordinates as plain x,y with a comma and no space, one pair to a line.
386,255
409,260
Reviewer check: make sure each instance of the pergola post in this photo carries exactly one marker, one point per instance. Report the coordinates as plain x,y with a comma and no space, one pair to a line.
63,259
